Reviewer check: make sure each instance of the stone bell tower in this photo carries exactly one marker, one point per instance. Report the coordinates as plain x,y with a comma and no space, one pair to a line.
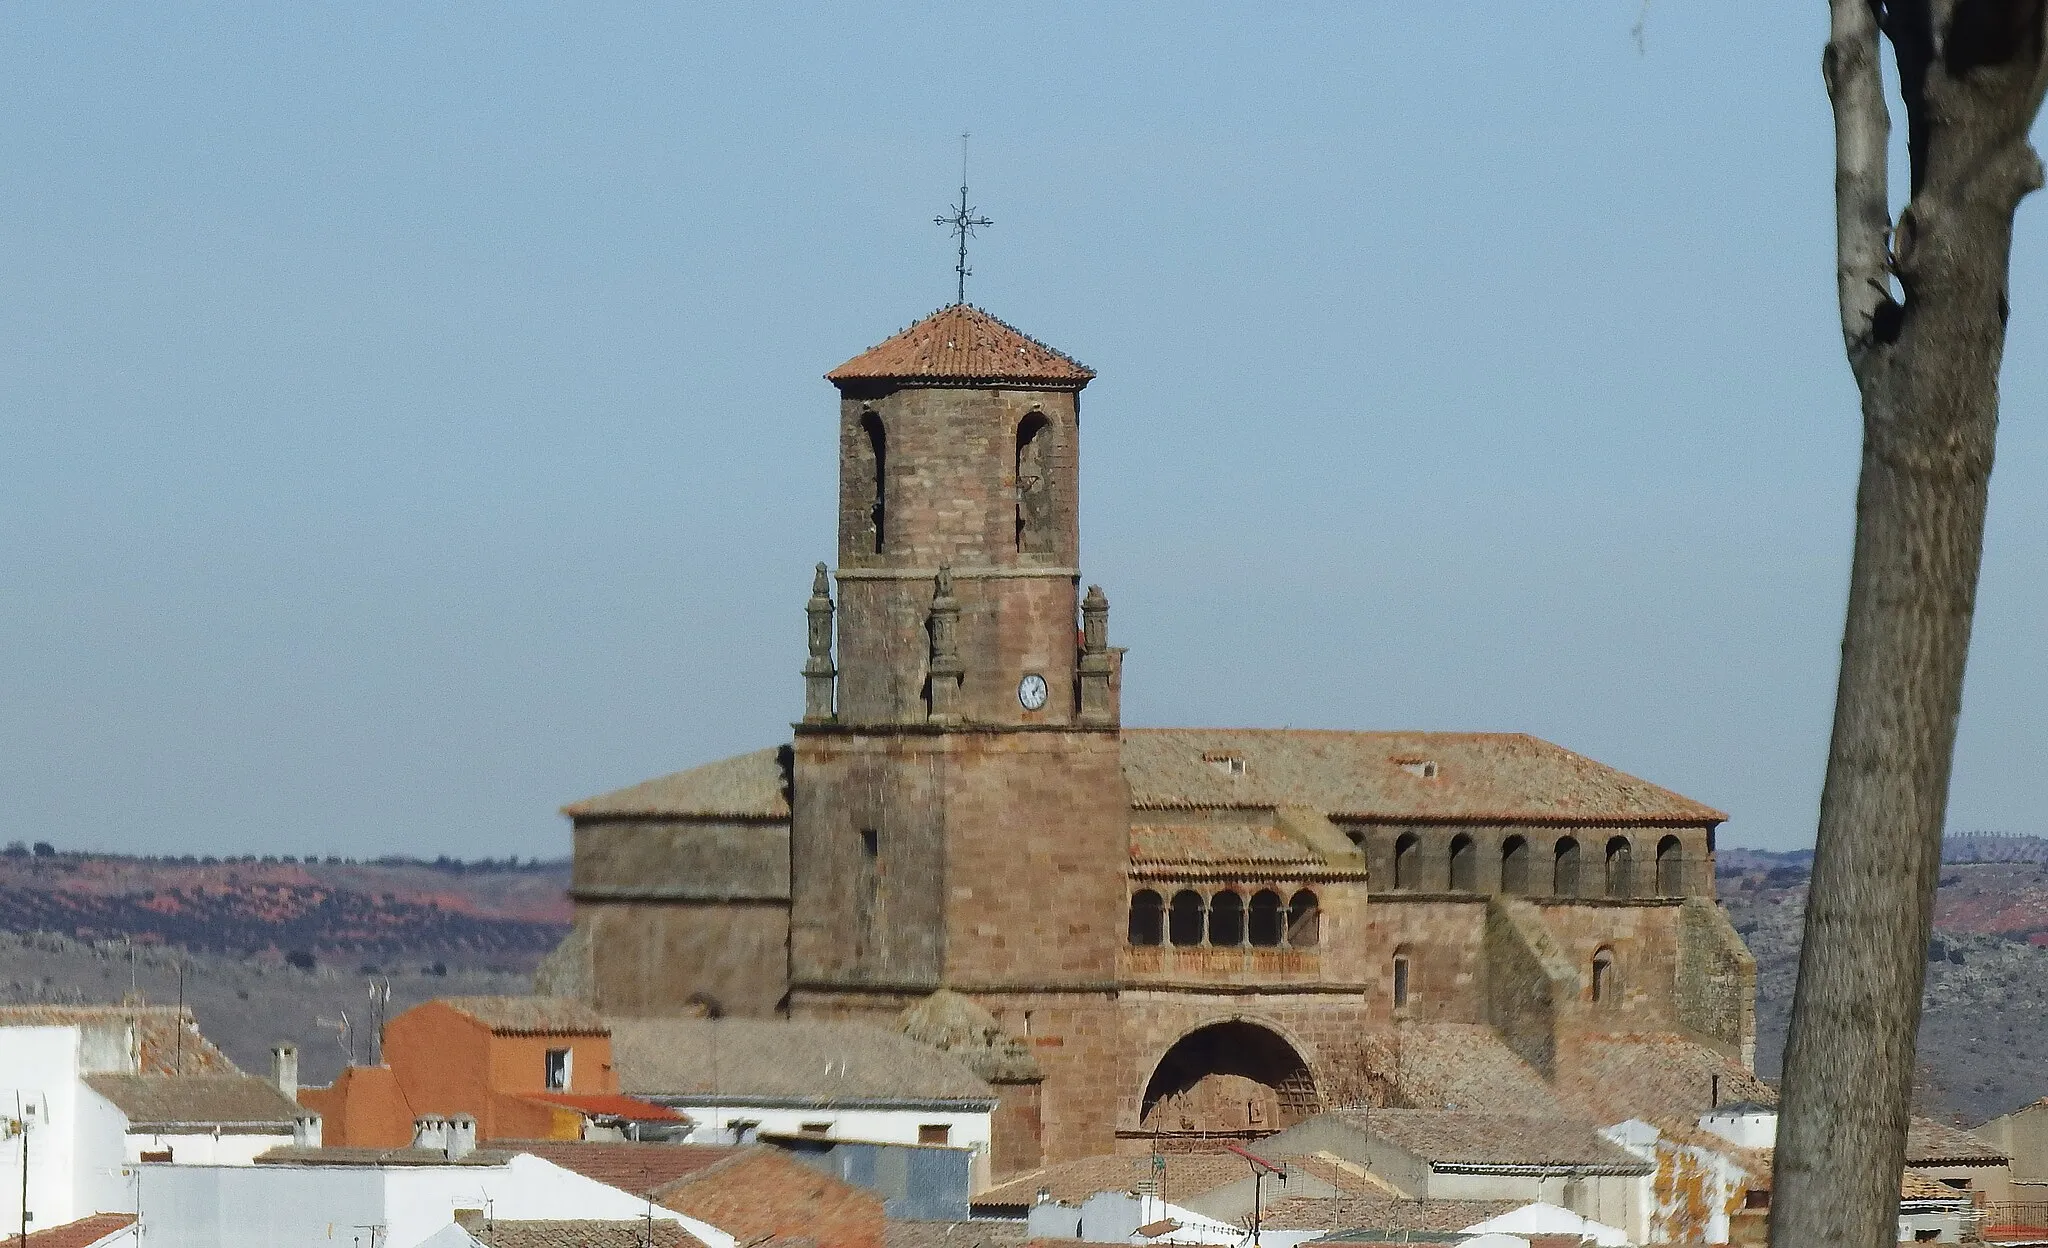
959,817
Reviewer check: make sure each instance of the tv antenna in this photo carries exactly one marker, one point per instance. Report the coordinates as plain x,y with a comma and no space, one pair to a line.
963,220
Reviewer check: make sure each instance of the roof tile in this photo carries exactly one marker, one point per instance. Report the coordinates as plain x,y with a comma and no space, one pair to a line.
747,786
213,1100
529,1016
964,344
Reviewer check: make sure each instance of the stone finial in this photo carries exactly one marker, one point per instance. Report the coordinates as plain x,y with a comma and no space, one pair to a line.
819,673
946,671
1098,666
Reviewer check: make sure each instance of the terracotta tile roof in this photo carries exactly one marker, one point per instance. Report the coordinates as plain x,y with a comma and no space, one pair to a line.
1464,1066
777,1060
1186,1176
641,1169
964,344
1235,843
1368,1213
295,1156
608,1105
529,1016
576,1233
747,786
160,1048
1380,775
1457,1138
1661,1078
762,1194
1929,1143
1916,1186
158,1101
84,1233
980,1233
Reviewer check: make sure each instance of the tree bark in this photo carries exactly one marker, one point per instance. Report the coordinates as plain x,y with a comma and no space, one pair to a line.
1923,308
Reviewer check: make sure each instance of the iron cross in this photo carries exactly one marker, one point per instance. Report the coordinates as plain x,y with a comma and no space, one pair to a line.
963,221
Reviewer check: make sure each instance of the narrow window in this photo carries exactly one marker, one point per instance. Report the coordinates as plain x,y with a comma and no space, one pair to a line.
934,1133
557,1070
1670,868
1184,923
1464,864
1567,877
1034,486
1226,920
867,882
1401,980
1407,861
875,468
1304,920
1265,925
1618,883
1514,865
1148,917
1604,987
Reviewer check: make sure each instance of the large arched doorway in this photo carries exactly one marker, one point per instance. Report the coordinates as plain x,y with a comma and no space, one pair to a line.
1234,1079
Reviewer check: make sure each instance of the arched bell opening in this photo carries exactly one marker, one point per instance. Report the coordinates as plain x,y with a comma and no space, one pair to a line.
1233,1079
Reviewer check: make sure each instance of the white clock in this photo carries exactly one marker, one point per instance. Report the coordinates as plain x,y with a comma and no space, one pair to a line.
1031,692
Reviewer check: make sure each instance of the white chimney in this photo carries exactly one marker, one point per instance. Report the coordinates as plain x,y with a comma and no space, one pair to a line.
461,1136
430,1131
306,1131
284,1069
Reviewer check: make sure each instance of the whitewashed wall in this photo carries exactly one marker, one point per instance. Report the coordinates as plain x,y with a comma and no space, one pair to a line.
209,1149
230,1206
881,1126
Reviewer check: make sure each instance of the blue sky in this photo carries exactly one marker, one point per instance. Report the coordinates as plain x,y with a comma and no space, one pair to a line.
414,420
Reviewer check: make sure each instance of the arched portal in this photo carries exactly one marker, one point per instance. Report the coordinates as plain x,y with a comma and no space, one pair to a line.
1234,1079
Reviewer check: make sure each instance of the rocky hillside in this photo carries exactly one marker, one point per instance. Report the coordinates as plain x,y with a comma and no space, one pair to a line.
1982,1048
498,914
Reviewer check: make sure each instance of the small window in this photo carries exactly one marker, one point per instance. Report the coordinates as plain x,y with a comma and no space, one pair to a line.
1148,917
1407,861
934,1133
1184,923
1304,920
1265,923
817,1129
1464,865
1604,987
1228,764
557,1070
1756,1198
1565,881
1226,920
876,468
156,1154
1514,866
1424,768
1927,1235
1401,981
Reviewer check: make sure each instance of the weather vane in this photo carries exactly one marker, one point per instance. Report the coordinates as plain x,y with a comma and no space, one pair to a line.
963,222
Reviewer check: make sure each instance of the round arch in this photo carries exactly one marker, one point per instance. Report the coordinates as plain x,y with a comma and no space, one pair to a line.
1231,1078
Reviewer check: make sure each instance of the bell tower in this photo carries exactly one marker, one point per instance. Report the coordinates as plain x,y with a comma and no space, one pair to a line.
959,817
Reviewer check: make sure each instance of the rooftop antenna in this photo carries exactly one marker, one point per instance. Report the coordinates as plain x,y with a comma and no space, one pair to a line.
962,220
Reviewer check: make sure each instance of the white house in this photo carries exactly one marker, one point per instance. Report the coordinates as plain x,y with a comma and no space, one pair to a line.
736,1077
85,1090
318,1198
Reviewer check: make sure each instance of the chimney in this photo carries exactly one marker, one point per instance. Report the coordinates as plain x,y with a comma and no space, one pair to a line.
461,1136
430,1131
284,1069
306,1131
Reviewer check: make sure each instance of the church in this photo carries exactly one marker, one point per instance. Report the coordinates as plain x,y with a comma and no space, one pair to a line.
1144,937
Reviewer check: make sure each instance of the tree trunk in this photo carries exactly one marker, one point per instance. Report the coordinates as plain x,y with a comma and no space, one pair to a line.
1923,318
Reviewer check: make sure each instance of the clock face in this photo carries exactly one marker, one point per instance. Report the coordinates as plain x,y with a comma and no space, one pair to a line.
1031,692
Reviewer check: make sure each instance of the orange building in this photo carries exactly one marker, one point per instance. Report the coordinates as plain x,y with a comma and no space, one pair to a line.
526,1068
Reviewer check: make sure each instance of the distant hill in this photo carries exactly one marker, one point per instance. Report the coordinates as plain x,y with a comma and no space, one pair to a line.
1982,1048
497,914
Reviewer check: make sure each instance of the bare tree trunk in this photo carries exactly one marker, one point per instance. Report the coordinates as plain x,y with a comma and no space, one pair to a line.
1923,318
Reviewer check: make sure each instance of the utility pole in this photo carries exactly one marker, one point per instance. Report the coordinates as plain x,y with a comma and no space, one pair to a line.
21,1121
